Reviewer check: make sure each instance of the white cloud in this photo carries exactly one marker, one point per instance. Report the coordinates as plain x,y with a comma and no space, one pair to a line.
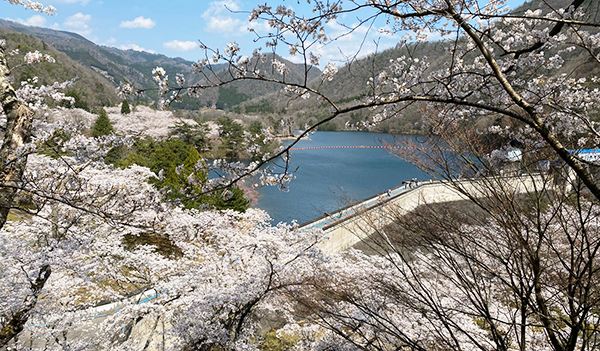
259,26
134,47
180,45
345,45
217,8
223,24
139,22
111,41
83,2
35,20
78,23
219,17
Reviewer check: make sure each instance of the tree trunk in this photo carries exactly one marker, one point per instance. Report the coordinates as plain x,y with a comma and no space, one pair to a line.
12,166
17,134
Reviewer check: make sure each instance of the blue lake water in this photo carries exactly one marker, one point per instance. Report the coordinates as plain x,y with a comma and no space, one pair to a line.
328,179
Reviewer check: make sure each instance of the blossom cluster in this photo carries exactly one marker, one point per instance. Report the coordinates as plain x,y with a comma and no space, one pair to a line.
37,57
35,96
34,5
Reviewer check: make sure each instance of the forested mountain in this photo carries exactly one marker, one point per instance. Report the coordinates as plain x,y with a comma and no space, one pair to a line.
90,89
114,64
350,84
235,94
254,97
119,66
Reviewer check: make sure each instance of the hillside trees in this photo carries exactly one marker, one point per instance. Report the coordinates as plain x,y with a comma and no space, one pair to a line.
185,184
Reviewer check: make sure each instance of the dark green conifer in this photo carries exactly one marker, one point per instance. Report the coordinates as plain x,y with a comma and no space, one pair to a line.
102,126
180,177
125,108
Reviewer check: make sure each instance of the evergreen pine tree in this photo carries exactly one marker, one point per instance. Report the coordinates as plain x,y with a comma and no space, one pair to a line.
125,108
102,126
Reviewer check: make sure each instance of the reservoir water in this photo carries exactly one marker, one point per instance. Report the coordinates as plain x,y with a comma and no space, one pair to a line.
328,179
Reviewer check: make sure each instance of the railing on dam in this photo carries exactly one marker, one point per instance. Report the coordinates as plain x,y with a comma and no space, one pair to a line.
337,217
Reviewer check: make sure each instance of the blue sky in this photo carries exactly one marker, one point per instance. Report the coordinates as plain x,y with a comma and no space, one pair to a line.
174,27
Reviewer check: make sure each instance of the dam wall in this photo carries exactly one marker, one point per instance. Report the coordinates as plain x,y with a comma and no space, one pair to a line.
354,223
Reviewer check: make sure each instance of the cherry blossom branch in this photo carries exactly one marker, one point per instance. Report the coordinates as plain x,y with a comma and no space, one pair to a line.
33,5
537,123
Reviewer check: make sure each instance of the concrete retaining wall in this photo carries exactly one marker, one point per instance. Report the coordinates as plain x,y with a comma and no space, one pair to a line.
379,211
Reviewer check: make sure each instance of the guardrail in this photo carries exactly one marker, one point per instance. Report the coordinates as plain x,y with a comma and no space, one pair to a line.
104,310
329,220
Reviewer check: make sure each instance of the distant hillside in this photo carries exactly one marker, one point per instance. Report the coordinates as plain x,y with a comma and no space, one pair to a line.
349,83
235,94
136,67
254,97
115,65
91,89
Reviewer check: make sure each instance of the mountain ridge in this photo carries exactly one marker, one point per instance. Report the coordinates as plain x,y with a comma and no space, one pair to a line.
120,66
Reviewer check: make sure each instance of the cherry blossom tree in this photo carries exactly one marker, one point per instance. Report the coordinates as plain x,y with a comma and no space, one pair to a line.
83,232
524,279
33,5
493,67
107,232
18,109
520,275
